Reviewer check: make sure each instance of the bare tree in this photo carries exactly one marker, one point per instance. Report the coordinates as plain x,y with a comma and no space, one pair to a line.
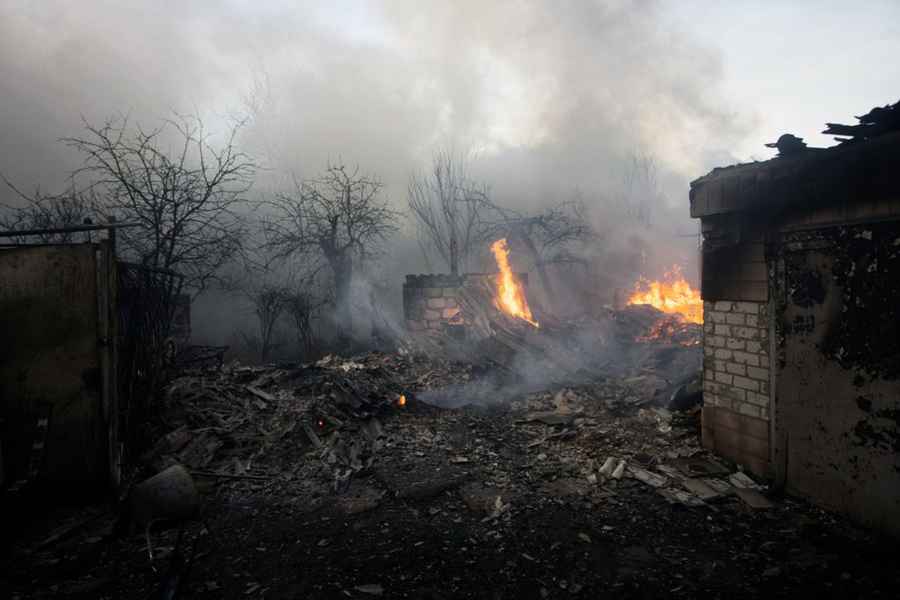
302,308
48,211
186,198
338,219
269,304
641,189
445,204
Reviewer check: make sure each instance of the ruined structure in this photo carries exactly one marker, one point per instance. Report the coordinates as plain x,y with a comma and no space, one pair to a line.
800,281
431,302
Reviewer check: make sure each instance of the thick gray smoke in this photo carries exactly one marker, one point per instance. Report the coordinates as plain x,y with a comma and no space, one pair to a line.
551,97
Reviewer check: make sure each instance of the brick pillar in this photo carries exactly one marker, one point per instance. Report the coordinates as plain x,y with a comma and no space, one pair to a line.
736,369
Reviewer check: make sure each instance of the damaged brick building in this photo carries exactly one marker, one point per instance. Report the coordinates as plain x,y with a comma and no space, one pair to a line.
800,281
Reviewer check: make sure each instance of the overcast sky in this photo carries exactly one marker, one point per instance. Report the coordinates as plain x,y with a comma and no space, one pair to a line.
554,95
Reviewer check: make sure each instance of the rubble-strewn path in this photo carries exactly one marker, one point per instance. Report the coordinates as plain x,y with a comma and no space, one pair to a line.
318,484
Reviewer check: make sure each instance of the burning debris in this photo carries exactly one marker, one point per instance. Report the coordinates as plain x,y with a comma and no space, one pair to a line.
672,295
510,293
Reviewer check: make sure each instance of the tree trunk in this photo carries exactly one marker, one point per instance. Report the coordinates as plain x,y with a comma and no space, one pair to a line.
454,255
343,277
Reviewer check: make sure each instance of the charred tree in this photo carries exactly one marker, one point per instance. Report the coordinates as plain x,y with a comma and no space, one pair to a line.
445,205
184,191
48,211
339,220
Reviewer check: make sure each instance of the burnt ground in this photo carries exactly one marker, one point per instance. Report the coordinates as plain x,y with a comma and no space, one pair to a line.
500,502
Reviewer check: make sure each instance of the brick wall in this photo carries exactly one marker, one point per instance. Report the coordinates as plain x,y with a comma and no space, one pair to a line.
736,382
430,301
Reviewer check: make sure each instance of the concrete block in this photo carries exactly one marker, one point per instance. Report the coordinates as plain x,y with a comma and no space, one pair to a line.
746,333
746,307
747,384
748,409
450,302
723,354
709,327
724,306
450,292
735,319
754,347
436,303
715,317
757,399
735,368
724,378
745,358
432,315
735,344
434,292
723,330
751,320
732,393
716,341
758,373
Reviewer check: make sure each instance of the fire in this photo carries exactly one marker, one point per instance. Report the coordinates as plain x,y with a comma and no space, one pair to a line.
673,295
673,329
510,296
401,401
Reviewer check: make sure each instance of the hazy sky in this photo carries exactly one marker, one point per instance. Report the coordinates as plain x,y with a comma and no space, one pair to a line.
552,94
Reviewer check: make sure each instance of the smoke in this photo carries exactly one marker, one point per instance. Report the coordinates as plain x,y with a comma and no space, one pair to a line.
551,97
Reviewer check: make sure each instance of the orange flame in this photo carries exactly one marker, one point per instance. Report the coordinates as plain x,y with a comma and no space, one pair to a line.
401,401
673,295
510,296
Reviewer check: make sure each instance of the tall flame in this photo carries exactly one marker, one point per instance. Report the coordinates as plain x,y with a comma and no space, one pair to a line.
673,295
510,296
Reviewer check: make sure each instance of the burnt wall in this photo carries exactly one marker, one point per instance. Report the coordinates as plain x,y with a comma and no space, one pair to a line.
837,401
55,361
431,302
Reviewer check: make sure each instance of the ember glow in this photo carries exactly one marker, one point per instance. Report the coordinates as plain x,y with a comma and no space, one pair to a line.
673,295
401,401
510,295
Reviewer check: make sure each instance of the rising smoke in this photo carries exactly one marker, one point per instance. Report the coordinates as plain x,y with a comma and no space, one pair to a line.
552,99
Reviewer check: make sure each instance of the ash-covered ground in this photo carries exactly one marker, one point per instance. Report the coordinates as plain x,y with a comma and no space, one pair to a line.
318,481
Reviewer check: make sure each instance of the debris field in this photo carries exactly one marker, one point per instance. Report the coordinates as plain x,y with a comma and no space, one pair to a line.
349,478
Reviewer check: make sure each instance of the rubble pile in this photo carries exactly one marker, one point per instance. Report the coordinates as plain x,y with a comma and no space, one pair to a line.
251,422
347,478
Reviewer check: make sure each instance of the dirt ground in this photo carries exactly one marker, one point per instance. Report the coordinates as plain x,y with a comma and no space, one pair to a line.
506,501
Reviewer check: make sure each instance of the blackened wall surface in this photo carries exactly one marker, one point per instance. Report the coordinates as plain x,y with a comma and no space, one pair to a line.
54,361
836,297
